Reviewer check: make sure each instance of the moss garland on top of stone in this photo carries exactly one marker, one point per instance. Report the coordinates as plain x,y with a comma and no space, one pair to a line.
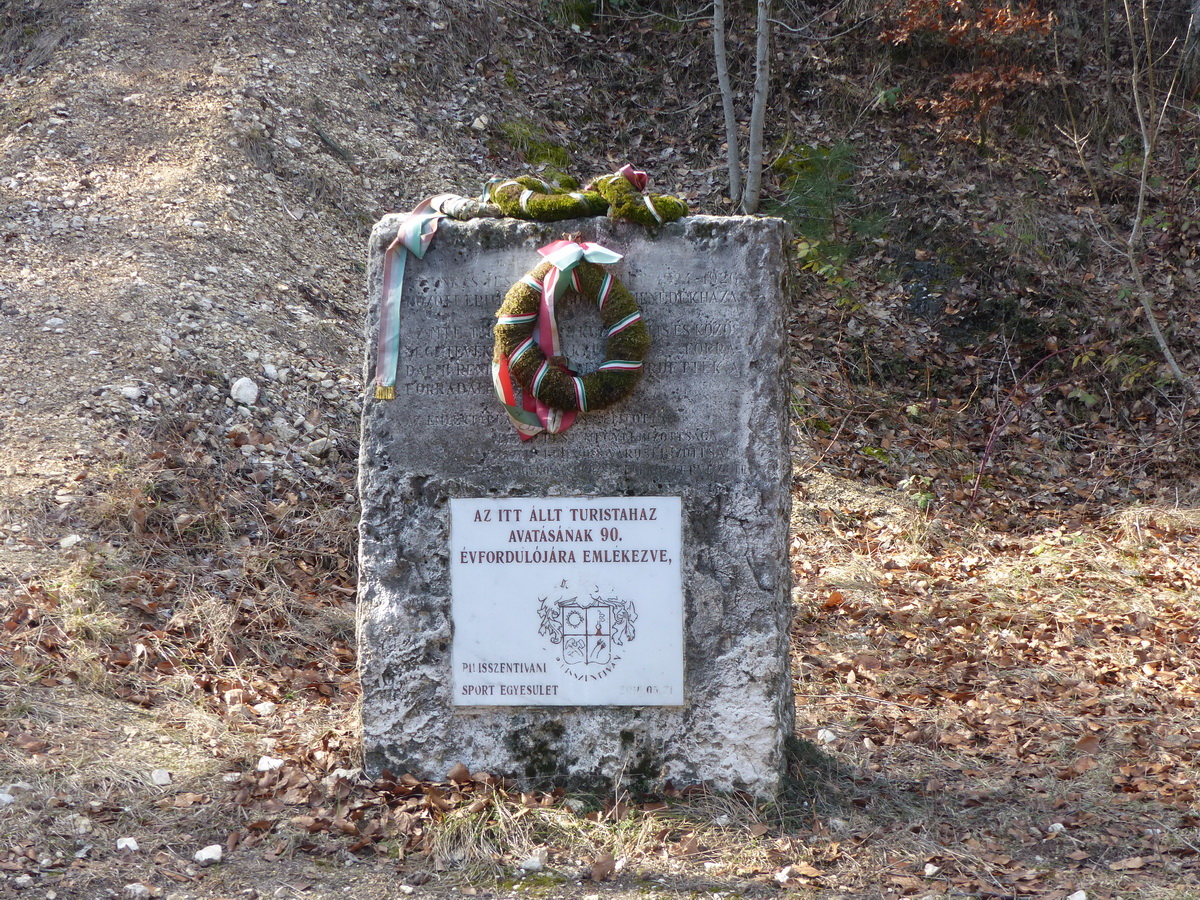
531,198
527,197
556,387
626,202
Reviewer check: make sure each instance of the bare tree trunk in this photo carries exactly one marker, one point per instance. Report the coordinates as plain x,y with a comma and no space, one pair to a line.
1151,111
734,151
762,77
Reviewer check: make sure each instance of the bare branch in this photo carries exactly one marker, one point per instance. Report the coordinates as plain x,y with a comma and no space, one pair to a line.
762,78
734,151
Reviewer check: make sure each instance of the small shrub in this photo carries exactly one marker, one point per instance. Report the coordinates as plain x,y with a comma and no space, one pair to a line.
816,185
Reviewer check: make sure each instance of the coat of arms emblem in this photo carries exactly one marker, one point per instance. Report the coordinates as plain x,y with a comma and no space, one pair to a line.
588,628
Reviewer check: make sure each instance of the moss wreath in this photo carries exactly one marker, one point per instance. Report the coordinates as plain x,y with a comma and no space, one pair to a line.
627,340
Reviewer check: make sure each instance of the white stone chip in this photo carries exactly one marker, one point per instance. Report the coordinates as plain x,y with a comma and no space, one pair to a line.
6,799
209,855
1078,895
128,843
244,391
137,891
536,862
161,777
265,708
269,764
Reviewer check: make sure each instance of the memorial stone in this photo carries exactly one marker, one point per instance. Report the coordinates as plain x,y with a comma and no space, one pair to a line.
607,603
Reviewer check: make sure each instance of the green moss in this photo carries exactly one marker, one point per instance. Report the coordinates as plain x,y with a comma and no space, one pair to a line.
626,202
537,200
561,180
545,203
537,747
534,144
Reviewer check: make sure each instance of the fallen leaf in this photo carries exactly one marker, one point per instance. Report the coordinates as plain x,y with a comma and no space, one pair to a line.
1089,744
1127,864
1077,768
30,744
603,867
686,846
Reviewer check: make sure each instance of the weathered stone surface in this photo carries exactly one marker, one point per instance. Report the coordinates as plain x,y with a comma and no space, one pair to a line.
707,424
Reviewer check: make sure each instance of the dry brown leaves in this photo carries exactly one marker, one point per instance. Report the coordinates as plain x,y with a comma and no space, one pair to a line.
1022,709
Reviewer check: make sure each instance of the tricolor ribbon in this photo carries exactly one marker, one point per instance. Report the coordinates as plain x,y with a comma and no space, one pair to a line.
640,180
414,236
564,256
533,416
636,177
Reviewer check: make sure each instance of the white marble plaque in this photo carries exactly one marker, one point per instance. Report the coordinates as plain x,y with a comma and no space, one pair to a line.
567,601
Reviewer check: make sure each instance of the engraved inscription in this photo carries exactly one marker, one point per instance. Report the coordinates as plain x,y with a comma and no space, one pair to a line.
446,350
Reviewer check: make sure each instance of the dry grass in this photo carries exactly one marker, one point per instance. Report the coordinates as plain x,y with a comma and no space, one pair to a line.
33,31
154,645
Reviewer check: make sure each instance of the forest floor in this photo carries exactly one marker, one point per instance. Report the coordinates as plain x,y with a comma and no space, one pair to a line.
996,513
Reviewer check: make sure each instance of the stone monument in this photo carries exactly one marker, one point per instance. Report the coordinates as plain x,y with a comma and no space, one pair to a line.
606,604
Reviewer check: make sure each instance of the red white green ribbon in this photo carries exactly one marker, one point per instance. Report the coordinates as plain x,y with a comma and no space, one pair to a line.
636,177
414,236
525,420
531,417
564,256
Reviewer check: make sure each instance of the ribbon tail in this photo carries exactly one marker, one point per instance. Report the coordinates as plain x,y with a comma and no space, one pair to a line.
387,356
594,253
553,286
524,421
415,235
